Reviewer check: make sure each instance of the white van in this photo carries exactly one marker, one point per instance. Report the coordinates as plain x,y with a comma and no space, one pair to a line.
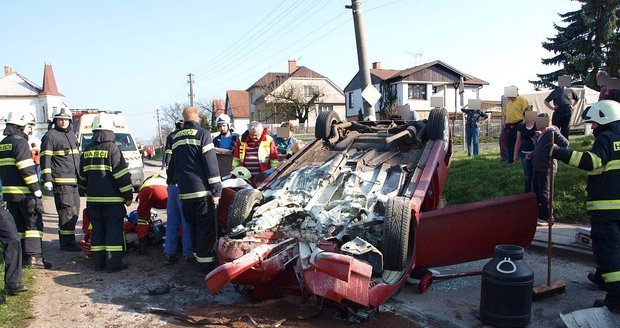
83,123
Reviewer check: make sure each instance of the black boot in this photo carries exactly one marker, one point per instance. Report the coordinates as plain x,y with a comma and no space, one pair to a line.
142,244
68,244
14,288
37,262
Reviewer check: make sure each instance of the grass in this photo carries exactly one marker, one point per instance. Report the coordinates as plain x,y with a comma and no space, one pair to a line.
473,179
17,309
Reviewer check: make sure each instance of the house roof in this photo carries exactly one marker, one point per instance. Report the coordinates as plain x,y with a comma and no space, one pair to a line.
435,71
17,85
272,81
239,103
49,82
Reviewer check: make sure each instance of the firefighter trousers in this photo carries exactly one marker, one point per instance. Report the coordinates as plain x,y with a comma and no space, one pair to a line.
605,235
29,223
67,200
12,248
108,236
201,217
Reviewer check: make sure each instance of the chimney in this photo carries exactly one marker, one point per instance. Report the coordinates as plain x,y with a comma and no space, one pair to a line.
292,66
376,65
7,70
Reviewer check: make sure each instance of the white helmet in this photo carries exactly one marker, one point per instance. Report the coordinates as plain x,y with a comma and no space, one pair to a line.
21,118
63,113
223,118
103,121
180,119
241,172
602,112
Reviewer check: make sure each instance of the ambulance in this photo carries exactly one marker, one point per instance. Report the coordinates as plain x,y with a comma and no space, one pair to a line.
83,124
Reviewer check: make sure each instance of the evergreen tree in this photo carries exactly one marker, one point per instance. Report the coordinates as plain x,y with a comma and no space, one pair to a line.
588,44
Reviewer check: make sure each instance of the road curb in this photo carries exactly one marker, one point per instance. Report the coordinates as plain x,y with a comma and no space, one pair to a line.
562,250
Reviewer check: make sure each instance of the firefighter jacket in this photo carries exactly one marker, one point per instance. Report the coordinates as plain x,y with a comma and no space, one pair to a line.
104,173
17,169
152,194
194,163
60,157
267,151
168,146
603,163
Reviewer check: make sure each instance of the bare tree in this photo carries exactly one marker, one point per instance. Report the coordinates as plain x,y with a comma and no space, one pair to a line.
291,101
169,115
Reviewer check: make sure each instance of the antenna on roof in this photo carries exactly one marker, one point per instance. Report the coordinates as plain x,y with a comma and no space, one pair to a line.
415,55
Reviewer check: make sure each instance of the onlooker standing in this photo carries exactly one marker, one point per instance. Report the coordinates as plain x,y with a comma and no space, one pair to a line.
284,139
512,115
540,161
104,174
603,196
61,162
526,133
563,98
194,166
36,158
472,128
256,150
12,253
225,142
20,187
152,194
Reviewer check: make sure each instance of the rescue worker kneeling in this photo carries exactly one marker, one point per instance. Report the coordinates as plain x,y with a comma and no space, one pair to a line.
104,175
152,194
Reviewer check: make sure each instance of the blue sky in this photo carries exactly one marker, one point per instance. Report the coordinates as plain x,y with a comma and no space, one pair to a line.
135,55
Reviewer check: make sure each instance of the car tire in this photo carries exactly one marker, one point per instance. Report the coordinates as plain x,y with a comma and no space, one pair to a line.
324,122
437,125
240,210
396,233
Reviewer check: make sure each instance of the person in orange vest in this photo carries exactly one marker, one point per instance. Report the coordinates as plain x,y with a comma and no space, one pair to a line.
257,151
152,194
36,158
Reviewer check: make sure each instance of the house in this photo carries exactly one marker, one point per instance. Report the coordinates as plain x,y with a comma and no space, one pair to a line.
18,93
274,95
238,108
414,87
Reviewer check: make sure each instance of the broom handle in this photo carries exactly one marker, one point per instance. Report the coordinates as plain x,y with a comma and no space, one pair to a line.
549,235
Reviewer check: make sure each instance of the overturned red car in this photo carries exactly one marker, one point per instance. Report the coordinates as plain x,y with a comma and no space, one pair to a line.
352,214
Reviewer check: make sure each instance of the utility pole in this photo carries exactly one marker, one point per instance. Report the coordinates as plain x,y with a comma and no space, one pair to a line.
158,127
191,89
360,39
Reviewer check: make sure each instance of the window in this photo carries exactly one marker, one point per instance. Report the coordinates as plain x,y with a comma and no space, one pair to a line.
350,99
417,91
325,107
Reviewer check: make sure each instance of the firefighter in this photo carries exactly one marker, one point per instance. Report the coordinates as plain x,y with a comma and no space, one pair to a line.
194,166
60,163
152,194
12,253
21,187
104,175
603,190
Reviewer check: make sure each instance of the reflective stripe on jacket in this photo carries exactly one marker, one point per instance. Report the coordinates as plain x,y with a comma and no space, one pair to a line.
17,169
60,157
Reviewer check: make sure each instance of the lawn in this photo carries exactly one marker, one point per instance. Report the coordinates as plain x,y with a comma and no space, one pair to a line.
477,178
17,309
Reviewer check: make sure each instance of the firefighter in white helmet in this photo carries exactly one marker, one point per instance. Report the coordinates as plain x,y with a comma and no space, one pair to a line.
603,195
60,162
227,139
20,186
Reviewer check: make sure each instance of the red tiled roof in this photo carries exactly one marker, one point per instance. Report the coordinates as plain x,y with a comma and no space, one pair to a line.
272,81
239,103
49,82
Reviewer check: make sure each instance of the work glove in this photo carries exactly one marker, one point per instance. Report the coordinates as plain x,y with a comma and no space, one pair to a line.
48,186
38,193
128,203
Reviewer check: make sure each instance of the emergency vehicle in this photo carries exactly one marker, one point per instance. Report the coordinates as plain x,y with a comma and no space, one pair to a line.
83,124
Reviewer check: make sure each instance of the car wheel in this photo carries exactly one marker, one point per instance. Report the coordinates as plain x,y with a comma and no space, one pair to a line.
324,122
437,125
240,210
396,233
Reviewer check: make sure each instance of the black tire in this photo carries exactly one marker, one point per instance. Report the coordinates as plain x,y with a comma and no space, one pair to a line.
396,233
240,210
437,124
324,122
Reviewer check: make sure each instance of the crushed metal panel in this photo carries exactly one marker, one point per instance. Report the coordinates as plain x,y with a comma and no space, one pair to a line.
590,318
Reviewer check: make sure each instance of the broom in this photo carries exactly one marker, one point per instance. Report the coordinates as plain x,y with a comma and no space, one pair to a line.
549,289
